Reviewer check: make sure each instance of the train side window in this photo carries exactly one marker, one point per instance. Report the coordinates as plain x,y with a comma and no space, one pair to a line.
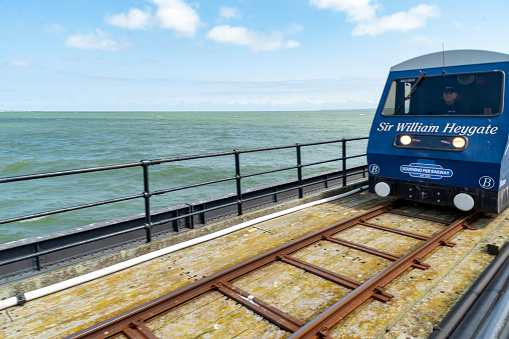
477,94
390,101
400,97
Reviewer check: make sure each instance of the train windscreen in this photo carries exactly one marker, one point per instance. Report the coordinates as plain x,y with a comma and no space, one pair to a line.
478,94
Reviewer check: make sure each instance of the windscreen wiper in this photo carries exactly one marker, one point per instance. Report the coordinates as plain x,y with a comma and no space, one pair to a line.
412,91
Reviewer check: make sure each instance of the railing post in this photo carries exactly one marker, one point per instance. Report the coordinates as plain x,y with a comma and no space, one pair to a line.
37,260
299,171
146,196
344,160
238,179
191,218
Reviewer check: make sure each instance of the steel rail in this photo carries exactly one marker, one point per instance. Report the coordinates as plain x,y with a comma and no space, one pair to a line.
152,308
319,326
132,323
339,279
278,317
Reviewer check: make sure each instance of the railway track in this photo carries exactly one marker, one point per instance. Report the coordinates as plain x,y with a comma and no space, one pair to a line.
136,323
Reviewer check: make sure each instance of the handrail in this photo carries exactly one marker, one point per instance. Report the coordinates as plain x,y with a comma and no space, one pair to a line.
145,163
239,195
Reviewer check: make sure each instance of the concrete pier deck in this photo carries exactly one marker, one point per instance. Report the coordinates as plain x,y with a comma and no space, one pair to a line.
421,298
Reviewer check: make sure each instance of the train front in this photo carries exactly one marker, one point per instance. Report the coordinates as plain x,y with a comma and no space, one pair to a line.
439,135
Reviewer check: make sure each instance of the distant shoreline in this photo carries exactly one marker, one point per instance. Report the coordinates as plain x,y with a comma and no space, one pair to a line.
194,111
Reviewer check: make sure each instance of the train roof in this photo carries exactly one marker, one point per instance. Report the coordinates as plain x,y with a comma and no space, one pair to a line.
451,58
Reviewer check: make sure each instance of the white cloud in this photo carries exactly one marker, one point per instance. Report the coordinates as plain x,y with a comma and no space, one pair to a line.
363,14
226,13
19,63
175,15
291,44
357,10
257,42
134,19
403,21
95,41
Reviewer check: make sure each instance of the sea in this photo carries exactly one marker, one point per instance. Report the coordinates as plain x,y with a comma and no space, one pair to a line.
42,142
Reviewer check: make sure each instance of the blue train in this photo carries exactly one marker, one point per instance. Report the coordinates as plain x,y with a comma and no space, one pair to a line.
440,134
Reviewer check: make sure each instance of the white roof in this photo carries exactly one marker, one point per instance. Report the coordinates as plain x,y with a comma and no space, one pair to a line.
451,58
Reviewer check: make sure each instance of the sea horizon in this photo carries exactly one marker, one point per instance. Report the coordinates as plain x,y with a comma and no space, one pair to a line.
191,111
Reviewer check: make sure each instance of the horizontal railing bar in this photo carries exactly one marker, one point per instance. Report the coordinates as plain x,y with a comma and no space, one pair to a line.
356,156
237,199
201,156
136,228
160,161
265,149
333,141
321,162
159,192
190,157
301,145
303,185
160,222
246,199
69,209
163,191
332,160
289,168
68,172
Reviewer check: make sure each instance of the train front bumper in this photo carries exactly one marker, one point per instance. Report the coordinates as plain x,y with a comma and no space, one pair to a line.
463,198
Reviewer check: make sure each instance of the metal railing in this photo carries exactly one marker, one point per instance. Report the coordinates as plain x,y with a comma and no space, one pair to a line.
147,194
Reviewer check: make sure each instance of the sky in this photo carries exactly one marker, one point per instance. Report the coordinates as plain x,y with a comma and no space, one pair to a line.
225,55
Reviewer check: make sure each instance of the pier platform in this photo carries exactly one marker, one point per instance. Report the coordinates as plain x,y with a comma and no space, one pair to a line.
422,298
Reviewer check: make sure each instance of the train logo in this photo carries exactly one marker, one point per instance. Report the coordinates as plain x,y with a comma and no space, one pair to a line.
374,169
429,171
487,182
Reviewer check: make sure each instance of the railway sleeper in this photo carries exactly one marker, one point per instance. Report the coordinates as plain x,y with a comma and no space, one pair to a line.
132,323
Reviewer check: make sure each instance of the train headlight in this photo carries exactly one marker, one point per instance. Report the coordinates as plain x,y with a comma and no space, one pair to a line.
458,142
430,142
405,140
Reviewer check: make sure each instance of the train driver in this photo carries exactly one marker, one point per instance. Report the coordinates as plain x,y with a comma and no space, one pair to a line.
451,102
